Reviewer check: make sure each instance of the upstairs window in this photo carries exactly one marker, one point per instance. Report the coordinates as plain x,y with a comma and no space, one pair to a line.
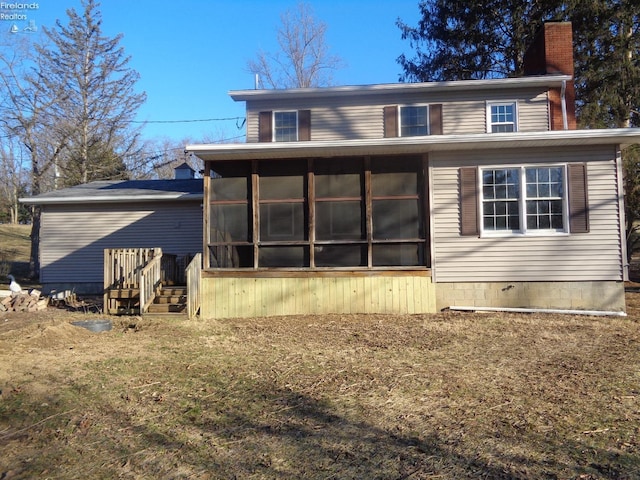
414,121
502,117
285,126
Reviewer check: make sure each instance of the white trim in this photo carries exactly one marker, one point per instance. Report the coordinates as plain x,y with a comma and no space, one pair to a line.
490,124
399,88
41,200
622,214
522,203
274,128
412,145
400,107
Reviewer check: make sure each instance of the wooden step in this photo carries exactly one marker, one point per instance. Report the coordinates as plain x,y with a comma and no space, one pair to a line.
173,291
124,292
167,308
171,299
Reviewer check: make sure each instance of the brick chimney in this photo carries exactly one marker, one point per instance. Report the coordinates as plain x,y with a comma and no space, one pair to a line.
552,53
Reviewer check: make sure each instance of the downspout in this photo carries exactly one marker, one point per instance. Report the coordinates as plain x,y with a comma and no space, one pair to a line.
563,103
593,313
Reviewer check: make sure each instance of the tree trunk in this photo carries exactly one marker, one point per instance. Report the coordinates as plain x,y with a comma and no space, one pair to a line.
34,259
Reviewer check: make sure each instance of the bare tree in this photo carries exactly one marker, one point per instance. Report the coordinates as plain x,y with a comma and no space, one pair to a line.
100,100
32,115
70,103
14,179
303,59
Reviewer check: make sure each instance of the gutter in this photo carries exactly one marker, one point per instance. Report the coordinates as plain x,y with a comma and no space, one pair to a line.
413,145
43,200
592,313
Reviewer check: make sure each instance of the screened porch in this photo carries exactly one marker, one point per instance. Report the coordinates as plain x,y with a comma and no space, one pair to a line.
357,213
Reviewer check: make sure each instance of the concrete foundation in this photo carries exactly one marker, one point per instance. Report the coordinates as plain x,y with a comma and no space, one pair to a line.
594,295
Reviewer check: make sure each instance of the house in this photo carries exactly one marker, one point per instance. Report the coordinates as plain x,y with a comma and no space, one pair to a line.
412,198
79,223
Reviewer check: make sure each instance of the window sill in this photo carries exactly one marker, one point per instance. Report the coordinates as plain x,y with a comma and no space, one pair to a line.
542,233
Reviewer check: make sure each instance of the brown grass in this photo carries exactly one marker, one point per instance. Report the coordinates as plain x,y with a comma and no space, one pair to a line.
14,251
448,396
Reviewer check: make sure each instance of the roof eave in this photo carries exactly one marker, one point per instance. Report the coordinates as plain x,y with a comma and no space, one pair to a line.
413,145
44,200
553,80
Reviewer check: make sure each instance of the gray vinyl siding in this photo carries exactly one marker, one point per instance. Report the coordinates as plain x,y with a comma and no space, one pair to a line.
361,117
73,237
596,255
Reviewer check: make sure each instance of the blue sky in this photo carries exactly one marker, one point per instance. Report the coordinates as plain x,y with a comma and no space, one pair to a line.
190,53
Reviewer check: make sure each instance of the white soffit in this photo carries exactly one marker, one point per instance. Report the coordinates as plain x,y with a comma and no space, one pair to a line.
398,88
414,145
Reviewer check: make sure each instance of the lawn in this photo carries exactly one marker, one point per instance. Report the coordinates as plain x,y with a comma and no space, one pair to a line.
446,396
14,252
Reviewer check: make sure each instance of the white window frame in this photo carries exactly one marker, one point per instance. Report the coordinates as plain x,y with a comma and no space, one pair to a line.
505,103
421,105
275,129
522,203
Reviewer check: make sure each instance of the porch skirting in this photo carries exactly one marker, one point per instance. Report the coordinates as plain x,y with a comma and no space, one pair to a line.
242,297
589,295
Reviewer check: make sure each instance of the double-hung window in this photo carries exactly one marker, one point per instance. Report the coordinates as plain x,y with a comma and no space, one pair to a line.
285,126
414,120
502,117
524,199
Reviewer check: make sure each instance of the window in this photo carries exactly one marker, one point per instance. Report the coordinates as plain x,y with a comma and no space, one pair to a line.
500,199
524,199
229,217
502,117
414,121
285,126
288,126
281,215
348,212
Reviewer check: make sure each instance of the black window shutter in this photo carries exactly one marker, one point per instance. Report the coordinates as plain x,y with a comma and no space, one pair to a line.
435,119
391,121
304,125
265,133
469,201
578,198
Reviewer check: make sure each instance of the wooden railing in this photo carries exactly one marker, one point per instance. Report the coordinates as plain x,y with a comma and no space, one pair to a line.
193,285
122,267
150,281
133,277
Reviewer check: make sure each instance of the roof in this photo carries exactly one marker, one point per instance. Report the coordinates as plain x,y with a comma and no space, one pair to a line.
554,80
118,191
415,145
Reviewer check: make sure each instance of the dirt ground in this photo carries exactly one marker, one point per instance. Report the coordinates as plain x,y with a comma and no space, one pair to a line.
448,396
